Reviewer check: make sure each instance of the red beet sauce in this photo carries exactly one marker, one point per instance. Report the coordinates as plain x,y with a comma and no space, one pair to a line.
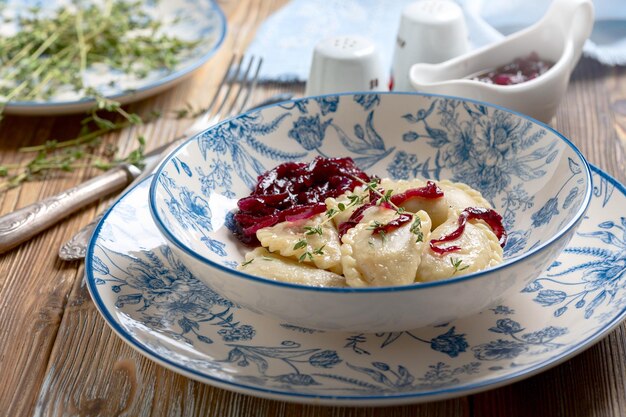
401,220
516,72
430,191
489,216
294,191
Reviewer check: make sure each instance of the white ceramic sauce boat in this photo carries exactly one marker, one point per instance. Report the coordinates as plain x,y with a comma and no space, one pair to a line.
558,37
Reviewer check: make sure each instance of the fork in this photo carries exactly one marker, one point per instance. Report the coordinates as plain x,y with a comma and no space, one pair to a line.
231,96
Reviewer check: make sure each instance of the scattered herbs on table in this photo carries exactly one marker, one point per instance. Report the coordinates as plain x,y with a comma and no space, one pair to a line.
51,53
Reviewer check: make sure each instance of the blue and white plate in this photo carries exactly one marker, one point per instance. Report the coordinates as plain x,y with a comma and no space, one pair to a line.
190,20
157,306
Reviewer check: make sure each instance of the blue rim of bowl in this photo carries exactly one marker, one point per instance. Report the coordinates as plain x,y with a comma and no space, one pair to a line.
436,394
197,63
410,287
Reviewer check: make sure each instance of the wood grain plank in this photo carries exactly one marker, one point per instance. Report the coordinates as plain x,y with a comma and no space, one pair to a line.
591,384
93,372
58,357
34,286
593,126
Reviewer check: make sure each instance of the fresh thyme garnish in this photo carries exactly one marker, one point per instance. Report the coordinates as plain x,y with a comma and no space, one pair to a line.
386,198
78,152
302,243
248,262
52,49
375,224
372,186
331,212
310,230
457,265
416,229
52,52
354,199
319,251
304,256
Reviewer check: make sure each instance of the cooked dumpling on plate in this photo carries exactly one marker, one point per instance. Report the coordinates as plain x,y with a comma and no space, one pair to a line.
479,249
339,215
457,196
372,259
265,264
284,237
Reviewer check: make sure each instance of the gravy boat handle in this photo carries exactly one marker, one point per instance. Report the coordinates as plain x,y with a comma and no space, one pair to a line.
574,18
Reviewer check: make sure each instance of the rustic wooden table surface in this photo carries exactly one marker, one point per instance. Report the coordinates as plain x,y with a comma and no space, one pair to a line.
58,356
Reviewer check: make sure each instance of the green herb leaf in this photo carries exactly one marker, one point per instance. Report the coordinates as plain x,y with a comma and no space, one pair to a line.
302,243
457,264
310,230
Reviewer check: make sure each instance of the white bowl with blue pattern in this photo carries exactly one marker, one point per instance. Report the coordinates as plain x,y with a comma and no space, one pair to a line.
533,176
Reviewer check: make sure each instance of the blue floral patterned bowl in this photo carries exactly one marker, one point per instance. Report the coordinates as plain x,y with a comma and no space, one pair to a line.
533,176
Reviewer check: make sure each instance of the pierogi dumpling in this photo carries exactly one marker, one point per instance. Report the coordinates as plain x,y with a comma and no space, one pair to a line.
284,237
262,263
478,249
370,259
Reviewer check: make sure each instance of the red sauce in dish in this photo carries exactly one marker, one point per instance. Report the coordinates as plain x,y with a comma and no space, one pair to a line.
519,71
293,191
489,216
402,219
430,191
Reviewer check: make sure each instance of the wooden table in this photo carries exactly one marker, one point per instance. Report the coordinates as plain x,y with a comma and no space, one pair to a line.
58,356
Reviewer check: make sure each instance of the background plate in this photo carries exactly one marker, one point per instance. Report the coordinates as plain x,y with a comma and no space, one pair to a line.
195,20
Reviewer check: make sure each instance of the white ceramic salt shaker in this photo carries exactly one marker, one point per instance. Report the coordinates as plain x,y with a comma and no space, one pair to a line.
346,63
430,31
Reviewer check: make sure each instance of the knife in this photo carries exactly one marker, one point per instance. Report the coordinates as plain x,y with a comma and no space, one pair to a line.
22,224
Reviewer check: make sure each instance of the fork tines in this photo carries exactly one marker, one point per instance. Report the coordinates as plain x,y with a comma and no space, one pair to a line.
237,86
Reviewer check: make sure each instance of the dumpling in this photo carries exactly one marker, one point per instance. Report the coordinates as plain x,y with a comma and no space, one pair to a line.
263,263
283,237
373,260
342,216
479,249
457,197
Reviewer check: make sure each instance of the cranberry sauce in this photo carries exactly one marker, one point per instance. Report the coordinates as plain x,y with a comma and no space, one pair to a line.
357,216
429,191
489,216
516,72
402,219
293,191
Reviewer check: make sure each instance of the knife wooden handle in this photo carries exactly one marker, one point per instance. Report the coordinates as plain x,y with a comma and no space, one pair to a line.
20,225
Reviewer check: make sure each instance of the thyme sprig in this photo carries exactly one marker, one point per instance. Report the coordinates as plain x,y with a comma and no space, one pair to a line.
53,51
372,186
79,152
457,264
354,200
